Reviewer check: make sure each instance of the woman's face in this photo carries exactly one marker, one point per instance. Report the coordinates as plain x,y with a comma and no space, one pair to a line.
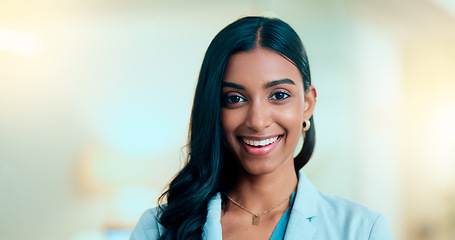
263,109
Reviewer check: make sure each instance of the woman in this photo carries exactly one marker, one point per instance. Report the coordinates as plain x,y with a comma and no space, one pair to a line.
253,101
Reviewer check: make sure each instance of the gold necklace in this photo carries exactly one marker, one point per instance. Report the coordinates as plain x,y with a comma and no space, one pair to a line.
256,217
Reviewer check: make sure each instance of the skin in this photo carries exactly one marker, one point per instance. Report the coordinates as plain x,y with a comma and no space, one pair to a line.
263,97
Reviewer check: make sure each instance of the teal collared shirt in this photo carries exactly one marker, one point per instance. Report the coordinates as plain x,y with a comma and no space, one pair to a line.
314,215
280,228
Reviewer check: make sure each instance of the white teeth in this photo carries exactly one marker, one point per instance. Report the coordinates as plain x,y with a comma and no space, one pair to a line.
260,143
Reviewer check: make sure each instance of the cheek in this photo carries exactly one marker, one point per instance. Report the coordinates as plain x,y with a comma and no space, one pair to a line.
291,117
228,121
292,123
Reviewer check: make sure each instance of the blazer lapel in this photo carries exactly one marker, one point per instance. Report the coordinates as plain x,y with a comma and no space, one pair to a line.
303,210
212,228
299,227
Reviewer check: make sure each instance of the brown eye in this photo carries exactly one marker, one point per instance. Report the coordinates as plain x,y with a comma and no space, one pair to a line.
280,96
232,99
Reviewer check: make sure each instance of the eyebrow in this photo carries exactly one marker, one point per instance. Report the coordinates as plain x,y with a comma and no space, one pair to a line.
268,85
232,85
278,82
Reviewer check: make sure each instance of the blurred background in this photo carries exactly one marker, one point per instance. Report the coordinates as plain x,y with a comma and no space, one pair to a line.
95,98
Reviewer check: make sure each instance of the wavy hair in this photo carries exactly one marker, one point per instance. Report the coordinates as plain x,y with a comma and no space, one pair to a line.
208,169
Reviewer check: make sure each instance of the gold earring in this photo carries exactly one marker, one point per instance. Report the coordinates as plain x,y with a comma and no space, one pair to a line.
306,125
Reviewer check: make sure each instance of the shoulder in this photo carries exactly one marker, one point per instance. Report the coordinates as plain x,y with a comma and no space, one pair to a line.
341,208
148,226
352,219
334,217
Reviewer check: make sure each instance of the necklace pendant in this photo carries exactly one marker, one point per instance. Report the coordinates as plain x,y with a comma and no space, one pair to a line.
256,219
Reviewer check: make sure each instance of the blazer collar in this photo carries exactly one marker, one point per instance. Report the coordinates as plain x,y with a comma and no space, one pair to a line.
304,209
212,227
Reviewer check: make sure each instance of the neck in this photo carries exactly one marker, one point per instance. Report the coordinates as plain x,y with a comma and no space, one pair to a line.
259,192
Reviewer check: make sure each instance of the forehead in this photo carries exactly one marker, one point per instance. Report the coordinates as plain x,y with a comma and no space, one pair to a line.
260,64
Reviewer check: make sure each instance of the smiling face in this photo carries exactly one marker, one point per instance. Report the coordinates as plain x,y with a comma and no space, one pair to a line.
263,109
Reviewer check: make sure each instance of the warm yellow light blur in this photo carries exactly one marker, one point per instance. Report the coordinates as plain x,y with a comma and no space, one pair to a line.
442,144
20,43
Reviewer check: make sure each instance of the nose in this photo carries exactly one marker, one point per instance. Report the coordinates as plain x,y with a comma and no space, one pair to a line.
258,116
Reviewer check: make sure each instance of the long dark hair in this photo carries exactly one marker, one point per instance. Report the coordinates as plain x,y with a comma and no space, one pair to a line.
204,174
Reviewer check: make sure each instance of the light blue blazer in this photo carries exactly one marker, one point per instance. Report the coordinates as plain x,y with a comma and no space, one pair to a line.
315,215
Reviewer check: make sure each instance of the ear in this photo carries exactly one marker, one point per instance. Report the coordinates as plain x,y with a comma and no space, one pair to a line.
310,102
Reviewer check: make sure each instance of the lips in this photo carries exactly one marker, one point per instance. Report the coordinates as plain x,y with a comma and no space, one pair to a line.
259,143
260,146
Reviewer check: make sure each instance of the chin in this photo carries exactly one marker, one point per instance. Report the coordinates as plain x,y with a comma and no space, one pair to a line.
260,168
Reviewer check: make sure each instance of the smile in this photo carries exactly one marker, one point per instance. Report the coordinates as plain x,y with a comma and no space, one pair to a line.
260,146
261,143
